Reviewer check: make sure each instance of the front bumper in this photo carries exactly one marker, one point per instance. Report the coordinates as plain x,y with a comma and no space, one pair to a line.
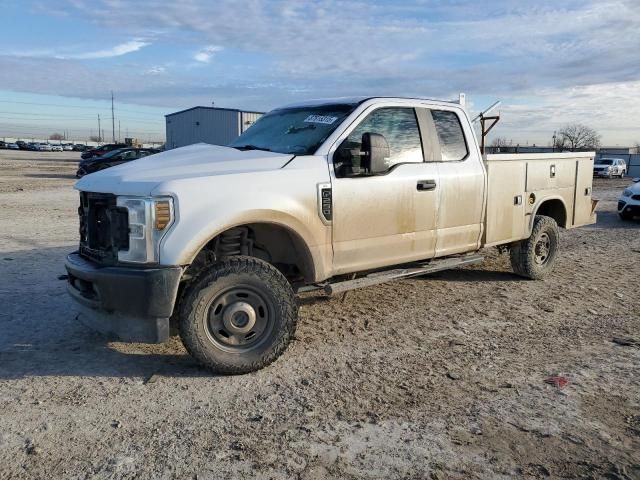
131,303
602,173
629,207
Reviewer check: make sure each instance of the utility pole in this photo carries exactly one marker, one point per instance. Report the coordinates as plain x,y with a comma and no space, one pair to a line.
99,128
119,140
113,124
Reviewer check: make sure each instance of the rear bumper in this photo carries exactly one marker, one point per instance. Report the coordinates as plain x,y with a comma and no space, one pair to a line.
133,304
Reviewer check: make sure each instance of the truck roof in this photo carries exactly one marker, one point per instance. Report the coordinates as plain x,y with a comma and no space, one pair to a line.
359,100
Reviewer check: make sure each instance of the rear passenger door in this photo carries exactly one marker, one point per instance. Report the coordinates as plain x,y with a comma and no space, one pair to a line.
448,139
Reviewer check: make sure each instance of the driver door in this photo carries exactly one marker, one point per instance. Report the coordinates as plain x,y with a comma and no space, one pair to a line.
384,217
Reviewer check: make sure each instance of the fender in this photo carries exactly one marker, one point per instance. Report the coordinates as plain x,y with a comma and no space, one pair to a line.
316,248
539,203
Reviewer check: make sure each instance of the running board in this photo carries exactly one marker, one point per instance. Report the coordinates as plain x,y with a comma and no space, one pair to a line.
388,275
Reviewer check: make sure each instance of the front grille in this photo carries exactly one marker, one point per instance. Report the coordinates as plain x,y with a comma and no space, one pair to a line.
104,227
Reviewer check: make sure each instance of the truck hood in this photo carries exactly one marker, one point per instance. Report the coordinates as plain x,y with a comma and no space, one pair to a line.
141,177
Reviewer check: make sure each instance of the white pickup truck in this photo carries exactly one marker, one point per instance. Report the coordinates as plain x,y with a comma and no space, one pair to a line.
330,195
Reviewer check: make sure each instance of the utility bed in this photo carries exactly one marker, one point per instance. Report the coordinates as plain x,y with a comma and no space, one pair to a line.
517,182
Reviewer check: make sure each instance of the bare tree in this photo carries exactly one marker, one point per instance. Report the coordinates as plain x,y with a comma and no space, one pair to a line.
56,136
499,142
576,136
94,138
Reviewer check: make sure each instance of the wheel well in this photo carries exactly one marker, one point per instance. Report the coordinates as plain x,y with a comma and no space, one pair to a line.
554,209
272,243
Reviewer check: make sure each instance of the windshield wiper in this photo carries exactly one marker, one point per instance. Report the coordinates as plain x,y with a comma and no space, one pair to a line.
251,147
293,129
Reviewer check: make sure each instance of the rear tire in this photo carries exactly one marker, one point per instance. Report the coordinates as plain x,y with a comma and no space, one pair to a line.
535,256
238,316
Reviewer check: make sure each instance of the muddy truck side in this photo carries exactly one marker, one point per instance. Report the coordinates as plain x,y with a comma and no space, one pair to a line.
214,243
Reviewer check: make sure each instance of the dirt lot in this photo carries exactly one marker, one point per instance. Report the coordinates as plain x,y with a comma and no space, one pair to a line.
437,377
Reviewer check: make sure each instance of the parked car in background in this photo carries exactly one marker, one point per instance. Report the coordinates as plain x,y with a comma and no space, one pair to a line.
79,147
33,146
67,147
22,145
57,148
99,151
13,146
44,147
111,159
3,144
610,167
629,201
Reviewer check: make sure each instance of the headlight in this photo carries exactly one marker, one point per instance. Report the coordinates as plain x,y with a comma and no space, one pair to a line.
627,192
149,221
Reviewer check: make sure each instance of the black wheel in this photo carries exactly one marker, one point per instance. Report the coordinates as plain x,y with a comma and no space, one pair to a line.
238,316
535,256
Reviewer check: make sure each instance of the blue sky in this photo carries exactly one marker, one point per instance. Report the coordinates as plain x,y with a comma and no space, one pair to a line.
550,62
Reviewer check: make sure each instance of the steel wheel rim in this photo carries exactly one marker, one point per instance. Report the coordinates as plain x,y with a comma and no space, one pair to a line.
543,249
239,319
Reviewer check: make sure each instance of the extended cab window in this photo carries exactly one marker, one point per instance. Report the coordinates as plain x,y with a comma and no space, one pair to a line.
452,144
395,126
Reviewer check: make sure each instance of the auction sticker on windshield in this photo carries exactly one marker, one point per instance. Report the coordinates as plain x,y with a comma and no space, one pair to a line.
326,119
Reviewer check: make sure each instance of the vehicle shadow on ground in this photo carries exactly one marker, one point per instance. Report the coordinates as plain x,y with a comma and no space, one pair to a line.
474,275
50,175
43,158
42,335
460,275
613,220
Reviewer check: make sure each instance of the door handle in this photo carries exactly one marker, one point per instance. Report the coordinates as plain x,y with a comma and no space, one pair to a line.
425,185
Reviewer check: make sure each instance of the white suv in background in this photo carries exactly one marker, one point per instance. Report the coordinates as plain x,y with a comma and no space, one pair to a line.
610,167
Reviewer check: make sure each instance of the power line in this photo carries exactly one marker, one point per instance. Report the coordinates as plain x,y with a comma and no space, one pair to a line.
76,106
84,117
113,122
54,119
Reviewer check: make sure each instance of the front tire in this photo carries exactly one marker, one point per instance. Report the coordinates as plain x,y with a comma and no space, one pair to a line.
535,256
238,316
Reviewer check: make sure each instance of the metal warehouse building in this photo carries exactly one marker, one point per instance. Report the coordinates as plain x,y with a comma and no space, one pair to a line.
217,126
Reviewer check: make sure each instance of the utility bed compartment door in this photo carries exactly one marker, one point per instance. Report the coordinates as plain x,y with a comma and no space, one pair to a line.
583,205
506,220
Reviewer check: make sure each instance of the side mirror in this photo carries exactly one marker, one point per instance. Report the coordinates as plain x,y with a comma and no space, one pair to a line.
375,149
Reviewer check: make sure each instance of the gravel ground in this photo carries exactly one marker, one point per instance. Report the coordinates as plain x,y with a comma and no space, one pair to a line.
437,377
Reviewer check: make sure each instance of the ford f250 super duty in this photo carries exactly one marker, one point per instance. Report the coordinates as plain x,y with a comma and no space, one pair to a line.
329,195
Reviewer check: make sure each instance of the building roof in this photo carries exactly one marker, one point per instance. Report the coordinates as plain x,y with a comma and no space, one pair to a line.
213,108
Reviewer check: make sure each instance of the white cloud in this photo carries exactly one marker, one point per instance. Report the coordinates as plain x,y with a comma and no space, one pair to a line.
205,54
156,70
550,62
115,51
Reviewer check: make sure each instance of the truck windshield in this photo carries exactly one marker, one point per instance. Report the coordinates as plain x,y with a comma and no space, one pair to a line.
296,130
605,161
